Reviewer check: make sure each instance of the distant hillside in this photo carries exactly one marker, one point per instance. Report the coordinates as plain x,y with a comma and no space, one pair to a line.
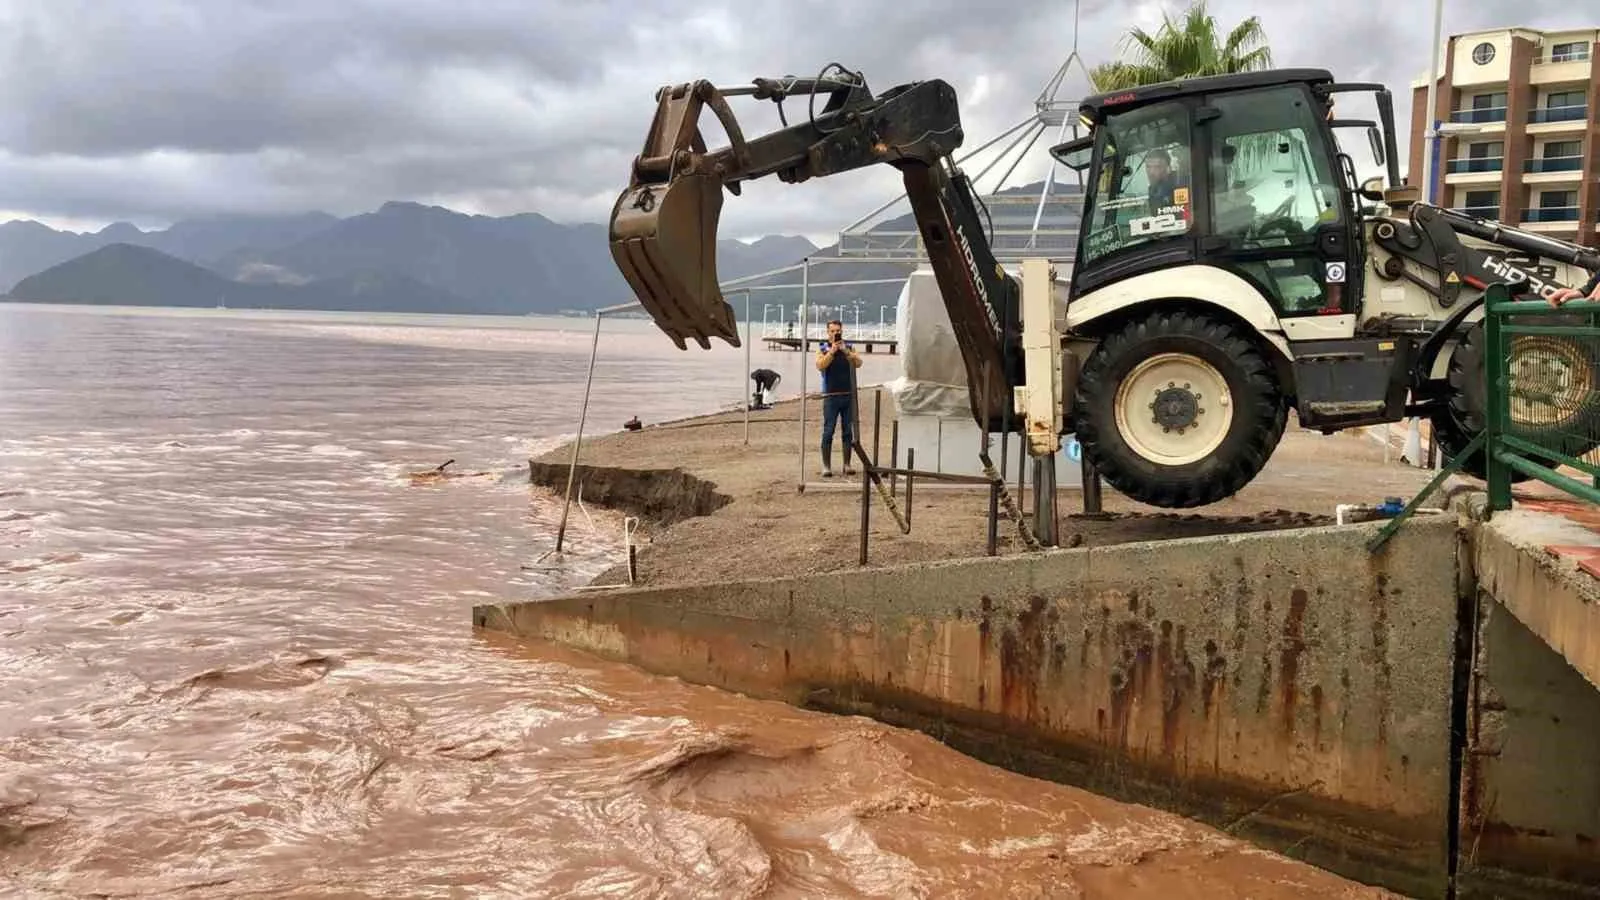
513,264
124,274
414,257
27,248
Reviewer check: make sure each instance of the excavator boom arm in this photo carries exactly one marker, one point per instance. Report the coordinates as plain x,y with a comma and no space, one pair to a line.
664,225
1430,237
853,130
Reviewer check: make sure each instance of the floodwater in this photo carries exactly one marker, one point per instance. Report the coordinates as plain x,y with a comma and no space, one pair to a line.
236,656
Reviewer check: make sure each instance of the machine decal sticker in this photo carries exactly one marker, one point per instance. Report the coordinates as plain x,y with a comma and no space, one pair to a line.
1167,220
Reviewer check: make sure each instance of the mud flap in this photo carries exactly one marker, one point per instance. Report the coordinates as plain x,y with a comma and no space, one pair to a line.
664,240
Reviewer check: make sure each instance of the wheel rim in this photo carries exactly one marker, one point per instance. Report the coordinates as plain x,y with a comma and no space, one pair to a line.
1551,381
1174,409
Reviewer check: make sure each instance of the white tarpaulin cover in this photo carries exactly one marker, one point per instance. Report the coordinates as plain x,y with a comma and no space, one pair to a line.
933,379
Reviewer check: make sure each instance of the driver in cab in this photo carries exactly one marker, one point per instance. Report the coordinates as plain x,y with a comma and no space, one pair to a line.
1163,181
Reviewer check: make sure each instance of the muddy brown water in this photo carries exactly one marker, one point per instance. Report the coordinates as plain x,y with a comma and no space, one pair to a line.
235,654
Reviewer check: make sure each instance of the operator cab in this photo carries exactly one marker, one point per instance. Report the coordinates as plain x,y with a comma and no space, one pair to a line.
1240,172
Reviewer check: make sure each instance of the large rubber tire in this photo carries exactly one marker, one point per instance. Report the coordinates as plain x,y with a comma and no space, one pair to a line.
1466,415
1120,427
1451,438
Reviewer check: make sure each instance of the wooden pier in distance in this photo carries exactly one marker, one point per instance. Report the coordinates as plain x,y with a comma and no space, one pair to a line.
891,345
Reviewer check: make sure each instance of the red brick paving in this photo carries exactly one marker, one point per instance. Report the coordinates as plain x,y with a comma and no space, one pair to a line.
1543,498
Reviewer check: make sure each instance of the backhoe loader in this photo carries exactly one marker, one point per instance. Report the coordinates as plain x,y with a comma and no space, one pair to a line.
1229,268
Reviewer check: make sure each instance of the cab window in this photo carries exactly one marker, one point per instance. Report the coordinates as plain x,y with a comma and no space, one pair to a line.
1272,185
1272,181
1140,188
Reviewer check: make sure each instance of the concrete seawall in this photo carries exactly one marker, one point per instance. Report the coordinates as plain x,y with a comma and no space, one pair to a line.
1530,799
1287,686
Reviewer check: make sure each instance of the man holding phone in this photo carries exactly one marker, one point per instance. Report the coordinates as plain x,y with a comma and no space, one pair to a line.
837,362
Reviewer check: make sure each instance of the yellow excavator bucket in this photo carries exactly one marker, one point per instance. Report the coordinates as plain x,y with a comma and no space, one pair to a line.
664,239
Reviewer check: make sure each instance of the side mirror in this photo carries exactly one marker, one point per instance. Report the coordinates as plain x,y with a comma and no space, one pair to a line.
1372,188
1075,155
1376,141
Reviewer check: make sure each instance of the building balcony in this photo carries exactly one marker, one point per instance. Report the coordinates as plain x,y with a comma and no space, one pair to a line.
1492,114
1550,115
1480,212
1550,214
1475,164
1571,68
1554,164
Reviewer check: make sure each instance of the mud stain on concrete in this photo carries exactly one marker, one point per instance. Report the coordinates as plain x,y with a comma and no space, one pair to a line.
1294,644
1022,657
1382,694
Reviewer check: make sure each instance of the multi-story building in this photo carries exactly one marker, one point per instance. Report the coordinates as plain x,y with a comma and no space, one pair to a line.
1521,119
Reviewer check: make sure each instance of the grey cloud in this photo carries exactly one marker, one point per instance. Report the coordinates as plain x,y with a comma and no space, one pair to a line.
164,109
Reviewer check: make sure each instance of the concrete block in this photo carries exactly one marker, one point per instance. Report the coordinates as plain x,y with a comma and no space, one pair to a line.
1554,598
1530,789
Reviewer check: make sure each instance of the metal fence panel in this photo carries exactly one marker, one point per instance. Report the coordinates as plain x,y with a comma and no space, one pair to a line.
1542,371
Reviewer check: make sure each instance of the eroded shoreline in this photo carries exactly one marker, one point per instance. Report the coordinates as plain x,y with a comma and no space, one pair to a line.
713,508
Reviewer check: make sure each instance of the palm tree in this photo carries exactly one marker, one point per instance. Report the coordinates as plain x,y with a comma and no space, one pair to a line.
1184,48
1191,46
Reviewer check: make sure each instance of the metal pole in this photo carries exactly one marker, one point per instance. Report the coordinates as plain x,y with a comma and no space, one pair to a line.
1432,137
1049,182
911,466
747,364
877,426
1022,466
894,454
855,415
1044,490
994,495
1091,487
866,503
572,465
1005,440
994,517
805,361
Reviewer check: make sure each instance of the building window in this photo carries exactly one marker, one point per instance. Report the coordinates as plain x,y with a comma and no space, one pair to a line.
1562,150
1558,200
1489,101
1483,204
1483,54
1486,150
1564,99
1569,51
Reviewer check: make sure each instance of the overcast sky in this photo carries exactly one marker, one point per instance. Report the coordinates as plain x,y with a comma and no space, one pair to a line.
154,110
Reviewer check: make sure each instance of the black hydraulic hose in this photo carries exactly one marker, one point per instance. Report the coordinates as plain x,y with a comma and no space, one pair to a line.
811,100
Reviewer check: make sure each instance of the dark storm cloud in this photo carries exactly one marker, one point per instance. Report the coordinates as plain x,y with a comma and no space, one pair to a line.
161,109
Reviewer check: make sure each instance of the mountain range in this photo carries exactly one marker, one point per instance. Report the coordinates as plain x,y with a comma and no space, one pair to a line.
402,257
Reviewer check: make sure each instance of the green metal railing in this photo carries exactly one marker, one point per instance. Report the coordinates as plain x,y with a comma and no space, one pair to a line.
1542,403
1543,381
